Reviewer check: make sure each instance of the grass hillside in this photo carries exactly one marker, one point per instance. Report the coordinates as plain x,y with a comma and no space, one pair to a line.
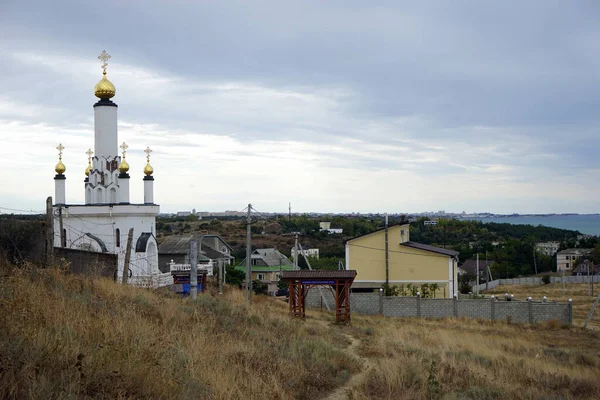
73,337
84,337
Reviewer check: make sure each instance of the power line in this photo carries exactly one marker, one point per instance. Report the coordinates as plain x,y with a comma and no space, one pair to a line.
18,210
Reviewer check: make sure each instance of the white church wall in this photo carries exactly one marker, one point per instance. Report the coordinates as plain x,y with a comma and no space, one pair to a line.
103,222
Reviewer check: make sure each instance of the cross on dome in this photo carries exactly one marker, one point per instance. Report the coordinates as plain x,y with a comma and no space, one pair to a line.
124,147
89,153
60,148
148,151
104,57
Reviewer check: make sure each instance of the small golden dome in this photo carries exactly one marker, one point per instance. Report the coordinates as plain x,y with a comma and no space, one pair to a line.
148,170
123,166
104,89
88,169
60,167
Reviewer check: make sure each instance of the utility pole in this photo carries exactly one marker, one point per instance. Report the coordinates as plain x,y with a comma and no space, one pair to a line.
248,255
318,287
296,253
487,270
387,261
127,256
63,239
193,255
49,233
534,262
477,273
290,212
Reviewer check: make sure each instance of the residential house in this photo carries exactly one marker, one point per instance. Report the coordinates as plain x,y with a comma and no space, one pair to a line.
565,259
585,268
306,252
547,248
408,262
267,265
211,248
470,267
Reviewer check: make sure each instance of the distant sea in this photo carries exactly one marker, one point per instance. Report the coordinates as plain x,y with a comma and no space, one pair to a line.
588,224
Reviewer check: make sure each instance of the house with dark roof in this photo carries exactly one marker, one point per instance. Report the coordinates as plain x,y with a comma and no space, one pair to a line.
470,267
402,262
211,248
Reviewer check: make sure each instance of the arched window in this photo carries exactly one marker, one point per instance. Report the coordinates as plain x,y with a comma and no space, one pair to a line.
113,195
118,237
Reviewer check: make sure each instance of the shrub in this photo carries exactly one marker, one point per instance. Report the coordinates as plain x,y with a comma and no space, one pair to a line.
546,279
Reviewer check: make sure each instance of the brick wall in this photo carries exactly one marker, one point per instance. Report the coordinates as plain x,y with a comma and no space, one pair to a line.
399,307
436,308
514,311
365,303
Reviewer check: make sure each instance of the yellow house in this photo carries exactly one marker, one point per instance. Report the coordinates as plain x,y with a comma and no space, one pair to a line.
407,262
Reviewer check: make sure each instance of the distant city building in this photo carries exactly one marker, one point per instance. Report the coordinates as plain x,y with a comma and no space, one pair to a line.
565,259
326,226
430,223
183,213
307,253
547,248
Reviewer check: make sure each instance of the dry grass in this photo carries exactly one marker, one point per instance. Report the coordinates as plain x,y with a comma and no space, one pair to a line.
466,359
578,292
73,337
63,337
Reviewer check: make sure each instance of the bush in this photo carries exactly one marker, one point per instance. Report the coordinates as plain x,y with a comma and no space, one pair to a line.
546,279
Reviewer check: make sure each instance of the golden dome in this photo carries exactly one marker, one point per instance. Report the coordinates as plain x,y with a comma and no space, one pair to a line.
104,89
60,167
88,169
123,166
148,170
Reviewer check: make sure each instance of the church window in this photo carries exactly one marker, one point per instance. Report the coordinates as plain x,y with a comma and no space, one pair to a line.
118,237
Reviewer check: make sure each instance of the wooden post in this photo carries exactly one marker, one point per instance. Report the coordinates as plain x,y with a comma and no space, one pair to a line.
127,256
49,256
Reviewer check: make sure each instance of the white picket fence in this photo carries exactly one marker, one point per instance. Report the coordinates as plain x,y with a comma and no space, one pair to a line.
535,281
152,281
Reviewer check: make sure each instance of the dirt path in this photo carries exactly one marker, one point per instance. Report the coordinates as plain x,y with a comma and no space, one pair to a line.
343,392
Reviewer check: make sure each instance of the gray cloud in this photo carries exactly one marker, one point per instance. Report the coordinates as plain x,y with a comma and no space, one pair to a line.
503,90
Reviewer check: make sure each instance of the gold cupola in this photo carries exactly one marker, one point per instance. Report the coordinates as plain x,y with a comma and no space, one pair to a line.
123,166
60,167
89,167
104,89
148,170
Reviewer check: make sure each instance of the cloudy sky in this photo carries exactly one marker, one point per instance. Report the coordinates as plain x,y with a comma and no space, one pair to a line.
340,106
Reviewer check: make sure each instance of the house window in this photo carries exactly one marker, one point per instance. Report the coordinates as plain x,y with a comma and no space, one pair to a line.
260,277
567,265
118,237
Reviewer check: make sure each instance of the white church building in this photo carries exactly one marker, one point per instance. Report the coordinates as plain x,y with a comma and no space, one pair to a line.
103,222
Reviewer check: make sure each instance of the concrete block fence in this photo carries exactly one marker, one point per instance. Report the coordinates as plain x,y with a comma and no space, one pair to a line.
489,309
536,281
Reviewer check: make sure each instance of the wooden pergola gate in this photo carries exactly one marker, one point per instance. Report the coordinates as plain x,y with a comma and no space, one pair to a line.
301,281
